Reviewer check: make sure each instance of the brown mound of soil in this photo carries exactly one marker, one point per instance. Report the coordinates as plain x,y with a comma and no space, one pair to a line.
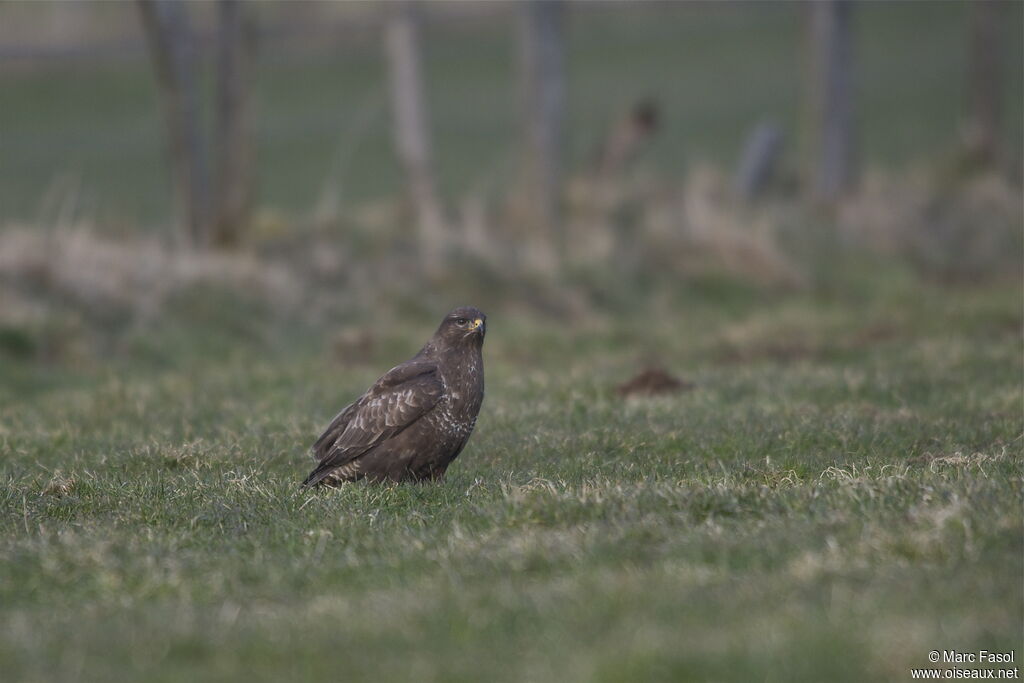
653,382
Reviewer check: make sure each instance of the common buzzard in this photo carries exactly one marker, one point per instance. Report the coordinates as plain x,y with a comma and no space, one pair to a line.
414,420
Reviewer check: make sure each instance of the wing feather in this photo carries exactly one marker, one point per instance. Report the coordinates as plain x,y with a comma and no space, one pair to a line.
394,402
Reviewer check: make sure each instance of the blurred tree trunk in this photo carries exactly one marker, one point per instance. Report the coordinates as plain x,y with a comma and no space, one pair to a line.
411,130
758,161
543,69
981,134
234,126
829,128
171,48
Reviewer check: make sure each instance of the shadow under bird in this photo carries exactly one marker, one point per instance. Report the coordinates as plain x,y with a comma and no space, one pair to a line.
414,420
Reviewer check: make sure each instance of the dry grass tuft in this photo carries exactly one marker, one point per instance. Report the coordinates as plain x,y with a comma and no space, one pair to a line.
59,486
959,459
964,229
720,233
136,276
694,230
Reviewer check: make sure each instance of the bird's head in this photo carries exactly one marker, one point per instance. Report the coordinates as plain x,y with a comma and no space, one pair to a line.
463,326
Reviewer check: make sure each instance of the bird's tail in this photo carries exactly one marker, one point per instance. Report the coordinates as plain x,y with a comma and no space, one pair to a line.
316,476
346,471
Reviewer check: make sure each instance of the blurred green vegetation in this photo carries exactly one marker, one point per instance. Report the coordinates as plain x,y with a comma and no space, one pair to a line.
716,68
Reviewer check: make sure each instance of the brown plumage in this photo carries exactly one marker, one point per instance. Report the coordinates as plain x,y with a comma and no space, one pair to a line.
414,420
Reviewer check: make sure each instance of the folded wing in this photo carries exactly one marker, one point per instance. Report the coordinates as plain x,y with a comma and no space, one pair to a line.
394,402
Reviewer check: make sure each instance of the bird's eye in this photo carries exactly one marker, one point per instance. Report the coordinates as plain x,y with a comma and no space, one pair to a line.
461,322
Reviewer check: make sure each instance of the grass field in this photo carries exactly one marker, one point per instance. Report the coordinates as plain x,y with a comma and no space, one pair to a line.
838,494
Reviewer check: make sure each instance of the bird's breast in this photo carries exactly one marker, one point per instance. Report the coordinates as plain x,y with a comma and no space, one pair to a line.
463,393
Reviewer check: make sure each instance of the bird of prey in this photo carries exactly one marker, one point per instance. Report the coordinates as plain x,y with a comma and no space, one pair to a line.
414,420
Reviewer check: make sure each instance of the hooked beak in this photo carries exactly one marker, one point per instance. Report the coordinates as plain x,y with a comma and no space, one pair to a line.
477,327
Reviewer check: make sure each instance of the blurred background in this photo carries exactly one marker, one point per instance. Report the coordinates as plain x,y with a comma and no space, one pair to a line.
245,171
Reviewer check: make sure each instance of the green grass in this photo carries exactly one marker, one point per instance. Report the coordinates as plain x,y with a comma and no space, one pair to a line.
92,131
839,494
